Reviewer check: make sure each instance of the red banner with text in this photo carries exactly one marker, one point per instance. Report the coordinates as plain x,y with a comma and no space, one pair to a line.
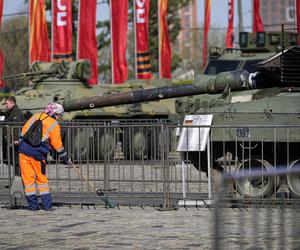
206,29
62,30
298,18
87,42
2,84
142,8
165,58
1,54
229,34
119,26
257,22
1,12
39,49
298,15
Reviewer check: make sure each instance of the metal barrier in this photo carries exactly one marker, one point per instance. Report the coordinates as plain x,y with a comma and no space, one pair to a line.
257,223
151,163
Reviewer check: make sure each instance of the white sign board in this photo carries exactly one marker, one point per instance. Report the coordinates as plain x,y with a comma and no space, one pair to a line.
194,139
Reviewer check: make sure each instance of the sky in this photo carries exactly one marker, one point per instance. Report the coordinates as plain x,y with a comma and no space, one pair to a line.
219,10
219,13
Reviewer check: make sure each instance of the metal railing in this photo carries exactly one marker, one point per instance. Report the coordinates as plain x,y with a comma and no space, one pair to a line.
145,163
257,223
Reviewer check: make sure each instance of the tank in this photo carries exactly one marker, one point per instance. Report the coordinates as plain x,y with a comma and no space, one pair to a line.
246,104
56,82
272,100
66,83
59,82
253,48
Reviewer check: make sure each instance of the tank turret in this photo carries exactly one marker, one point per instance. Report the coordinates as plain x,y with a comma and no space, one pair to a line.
40,71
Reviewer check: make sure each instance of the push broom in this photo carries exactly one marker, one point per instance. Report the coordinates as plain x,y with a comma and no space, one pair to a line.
108,202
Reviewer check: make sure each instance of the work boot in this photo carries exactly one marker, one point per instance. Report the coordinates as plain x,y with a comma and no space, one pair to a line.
47,201
33,202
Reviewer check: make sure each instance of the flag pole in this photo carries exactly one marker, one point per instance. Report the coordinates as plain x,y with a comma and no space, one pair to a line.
240,14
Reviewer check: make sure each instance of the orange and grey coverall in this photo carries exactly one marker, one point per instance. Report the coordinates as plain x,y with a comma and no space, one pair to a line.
33,160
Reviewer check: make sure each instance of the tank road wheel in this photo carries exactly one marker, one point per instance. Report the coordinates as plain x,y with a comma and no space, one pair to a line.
255,187
139,144
136,143
106,145
294,179
82,145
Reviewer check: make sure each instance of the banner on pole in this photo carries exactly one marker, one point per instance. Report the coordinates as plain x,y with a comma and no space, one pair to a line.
87,42
165,53
39,49
1,54
119,26
298,15
62,30
142,9
2,84
229,34
1,12
257,22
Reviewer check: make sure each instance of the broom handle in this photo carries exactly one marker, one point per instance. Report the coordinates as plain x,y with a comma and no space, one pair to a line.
82,176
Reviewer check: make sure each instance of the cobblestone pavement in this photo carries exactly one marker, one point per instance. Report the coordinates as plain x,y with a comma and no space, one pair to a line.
137,228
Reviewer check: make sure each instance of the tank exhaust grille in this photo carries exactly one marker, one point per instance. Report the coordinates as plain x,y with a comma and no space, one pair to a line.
290,66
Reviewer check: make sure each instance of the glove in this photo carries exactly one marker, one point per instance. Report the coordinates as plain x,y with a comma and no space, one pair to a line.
64,157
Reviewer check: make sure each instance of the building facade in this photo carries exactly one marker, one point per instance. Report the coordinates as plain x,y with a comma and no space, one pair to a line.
187,39
274,13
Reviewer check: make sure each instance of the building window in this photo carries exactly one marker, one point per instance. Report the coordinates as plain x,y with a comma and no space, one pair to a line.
290,13
282,13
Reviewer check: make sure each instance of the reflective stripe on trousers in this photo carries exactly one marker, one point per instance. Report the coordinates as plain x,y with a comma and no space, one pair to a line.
31,173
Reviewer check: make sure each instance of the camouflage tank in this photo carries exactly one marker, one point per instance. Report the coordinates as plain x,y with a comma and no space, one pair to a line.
59,82
251,103
252,133
253,48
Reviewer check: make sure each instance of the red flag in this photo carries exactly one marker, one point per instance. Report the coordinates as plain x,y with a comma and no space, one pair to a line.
2,84
298,18
1,54
62,30
165,57
143,66
119,23
206,28
1,12
229,35
38,35
87,42
257,22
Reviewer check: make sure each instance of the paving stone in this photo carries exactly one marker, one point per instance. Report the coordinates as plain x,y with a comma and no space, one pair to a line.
148,228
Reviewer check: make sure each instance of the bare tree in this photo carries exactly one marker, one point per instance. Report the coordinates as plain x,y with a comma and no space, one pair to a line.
14,45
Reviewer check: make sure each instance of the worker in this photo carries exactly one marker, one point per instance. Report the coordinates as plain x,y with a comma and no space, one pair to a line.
14,116
33,158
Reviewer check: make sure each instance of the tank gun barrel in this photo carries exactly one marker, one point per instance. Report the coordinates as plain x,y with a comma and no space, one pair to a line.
237,80
30,75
